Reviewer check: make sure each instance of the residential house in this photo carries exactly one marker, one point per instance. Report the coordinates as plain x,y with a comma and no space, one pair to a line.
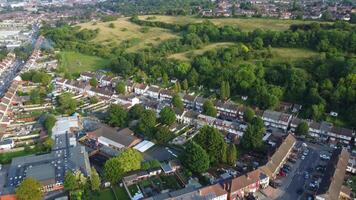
226,110
276,161
166,95
140,88
190,117
242,186
153,92
189,101
86,76
213,192
199,102
276,119
333,178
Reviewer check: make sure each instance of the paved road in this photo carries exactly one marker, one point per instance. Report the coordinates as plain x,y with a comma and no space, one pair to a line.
307,165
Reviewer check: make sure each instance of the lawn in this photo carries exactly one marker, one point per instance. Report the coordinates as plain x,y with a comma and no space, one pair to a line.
105,194
187,55
130,35
75,62
246,24
121,193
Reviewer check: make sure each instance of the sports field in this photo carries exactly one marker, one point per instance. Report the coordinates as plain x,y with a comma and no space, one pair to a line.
75,62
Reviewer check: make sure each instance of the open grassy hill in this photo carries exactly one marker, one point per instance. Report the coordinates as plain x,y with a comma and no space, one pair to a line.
129,34
246,24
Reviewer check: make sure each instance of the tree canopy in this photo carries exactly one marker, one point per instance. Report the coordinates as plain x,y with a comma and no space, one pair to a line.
114,168
167,116
117,115
195,158
29,189
209,108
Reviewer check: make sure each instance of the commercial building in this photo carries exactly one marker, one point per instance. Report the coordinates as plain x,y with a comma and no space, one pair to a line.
49,169
114,138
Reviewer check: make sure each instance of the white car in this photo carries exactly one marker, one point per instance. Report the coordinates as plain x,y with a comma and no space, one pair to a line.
303,157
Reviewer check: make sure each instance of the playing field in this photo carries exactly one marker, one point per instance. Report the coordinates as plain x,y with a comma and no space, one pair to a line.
128,34
292,54
246,24
75,62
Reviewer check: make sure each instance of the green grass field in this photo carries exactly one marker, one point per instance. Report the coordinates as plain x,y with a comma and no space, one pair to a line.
5,158
246,24
292,54
187,55
76,62
129,34
106,194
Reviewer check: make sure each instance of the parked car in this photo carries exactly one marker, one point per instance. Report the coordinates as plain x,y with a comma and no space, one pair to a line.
303,157
291,160
274,184
287,166
306,175
281,173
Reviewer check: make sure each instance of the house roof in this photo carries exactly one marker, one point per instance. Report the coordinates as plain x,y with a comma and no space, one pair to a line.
167,92
191,114
154,89
333,179
243,181
212,191
124,136
140,86
342,131
271,167
188,97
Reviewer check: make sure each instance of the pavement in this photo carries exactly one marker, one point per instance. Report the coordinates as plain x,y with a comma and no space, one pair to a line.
3,176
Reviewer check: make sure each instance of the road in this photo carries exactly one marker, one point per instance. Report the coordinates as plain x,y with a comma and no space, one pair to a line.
7,77
299,182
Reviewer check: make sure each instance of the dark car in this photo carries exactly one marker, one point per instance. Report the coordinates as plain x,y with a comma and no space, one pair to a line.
287,167
300,191
274,184
291,160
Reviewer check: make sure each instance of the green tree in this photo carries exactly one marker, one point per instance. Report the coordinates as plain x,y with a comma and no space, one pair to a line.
93,100
257,43
136,112
117,115
93,82
48,143
167,116
195,158
302,128
252,138
185,85
147,123
193,78
35,96
66,103
129,160
94,179
327,16
111,25
70,182
318,111
212,141
29,189
231,154
165,79
163,135
249,114
224,90
49,122
177,87
120,88
209,108
177,102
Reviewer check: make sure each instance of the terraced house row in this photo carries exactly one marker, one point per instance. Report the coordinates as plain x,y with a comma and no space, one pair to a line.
229,117
7,62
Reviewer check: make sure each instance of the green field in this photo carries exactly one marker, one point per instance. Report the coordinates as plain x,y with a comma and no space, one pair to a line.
131,35
292,54
246,24
106,194
5,158
75,62
187,55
